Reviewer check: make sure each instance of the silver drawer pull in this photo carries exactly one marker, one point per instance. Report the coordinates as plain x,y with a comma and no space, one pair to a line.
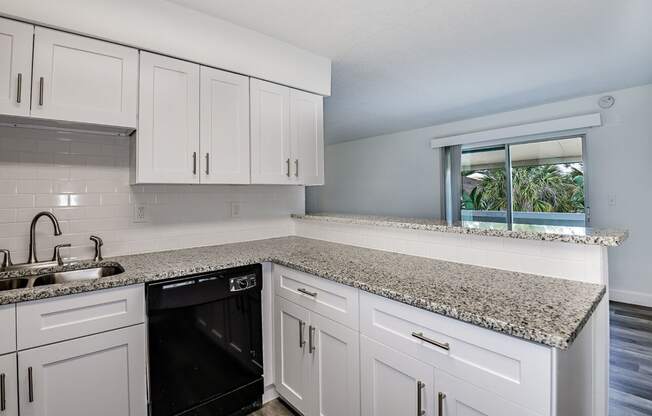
302,341
311,339
440,403
288,166
41,86
30,386
19,89
443,345
306,292
3,393
420,386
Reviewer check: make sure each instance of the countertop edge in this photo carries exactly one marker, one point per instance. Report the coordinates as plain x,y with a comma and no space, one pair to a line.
405,224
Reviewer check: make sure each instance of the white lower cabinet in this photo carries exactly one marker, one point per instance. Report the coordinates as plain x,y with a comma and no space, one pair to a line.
100,375
393,383
8,390
317,362
460,398
335,375
292,361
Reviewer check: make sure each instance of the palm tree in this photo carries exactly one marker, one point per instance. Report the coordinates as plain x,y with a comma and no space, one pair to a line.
543,188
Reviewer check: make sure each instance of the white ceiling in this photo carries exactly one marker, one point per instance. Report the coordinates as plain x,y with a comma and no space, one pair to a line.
404,64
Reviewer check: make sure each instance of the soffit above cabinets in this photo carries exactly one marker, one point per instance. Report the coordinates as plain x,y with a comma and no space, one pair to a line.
170,29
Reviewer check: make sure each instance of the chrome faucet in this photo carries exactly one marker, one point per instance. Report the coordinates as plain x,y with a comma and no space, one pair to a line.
32,233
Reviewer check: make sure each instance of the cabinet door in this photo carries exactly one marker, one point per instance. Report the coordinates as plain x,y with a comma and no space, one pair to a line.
292,360
393,383
270,133
100,375
15,67
168,126
224,129
8,388
84,80
335,370
307,133
460,398
7,329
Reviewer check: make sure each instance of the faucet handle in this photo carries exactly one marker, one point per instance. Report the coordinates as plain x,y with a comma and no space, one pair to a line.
98,247
57,253
6,262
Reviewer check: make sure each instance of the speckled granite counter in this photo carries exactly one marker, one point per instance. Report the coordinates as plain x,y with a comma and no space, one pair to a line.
536,308
577,235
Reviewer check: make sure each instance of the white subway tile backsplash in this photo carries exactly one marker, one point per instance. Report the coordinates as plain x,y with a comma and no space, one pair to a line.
84,181
16,201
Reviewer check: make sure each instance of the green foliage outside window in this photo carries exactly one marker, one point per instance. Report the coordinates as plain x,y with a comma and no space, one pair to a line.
543,188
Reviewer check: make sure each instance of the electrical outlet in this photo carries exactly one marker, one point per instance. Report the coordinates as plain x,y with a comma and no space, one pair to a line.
235,210
140,213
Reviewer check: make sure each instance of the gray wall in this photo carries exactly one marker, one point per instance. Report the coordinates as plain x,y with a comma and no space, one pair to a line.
398,174
381,176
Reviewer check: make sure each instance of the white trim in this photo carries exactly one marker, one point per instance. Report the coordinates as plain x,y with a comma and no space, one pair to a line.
522,130
627,296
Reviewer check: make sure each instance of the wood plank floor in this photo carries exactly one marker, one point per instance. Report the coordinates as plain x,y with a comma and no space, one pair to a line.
630,368
274,408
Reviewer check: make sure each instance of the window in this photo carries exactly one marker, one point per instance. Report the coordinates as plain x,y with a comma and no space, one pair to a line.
526,183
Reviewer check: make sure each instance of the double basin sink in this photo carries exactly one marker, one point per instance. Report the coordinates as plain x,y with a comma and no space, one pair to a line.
51,278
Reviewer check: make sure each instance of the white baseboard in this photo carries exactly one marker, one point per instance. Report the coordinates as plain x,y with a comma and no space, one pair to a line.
627,296
269,394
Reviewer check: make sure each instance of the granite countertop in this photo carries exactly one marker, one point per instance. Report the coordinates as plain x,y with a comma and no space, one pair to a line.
541,309
577,235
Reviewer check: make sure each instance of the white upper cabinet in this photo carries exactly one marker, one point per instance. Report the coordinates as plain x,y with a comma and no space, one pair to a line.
307,133
79,79
15,67
224,128
168,127
287,135
270,133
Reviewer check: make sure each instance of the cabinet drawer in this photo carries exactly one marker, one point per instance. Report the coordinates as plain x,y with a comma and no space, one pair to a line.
57,319
517,370
7,329
330,299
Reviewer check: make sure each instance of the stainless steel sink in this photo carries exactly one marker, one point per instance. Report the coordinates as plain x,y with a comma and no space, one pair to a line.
60,277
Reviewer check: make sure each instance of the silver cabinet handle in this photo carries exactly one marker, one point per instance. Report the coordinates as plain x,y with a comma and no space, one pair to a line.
302,342
41,86
30,384
194,163
288,166
440,403
443,345
311,339
207,161
306,292
3,393
19,89
296,167
420,387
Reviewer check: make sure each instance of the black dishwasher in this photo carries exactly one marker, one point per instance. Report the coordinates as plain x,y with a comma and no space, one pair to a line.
205,343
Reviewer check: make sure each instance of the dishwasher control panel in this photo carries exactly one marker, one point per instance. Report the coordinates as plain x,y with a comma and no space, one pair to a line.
239,283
